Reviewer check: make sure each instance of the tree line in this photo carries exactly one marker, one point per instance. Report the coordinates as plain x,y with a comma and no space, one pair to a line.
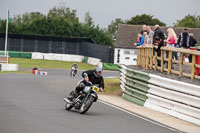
63,21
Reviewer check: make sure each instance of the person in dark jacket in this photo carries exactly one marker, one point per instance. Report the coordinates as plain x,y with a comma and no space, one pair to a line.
95,76
192,40
159,43
183,39
158,33
192,43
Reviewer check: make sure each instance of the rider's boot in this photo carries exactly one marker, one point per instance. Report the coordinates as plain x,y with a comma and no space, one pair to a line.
73,95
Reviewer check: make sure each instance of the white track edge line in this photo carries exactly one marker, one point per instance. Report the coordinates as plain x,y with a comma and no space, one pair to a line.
139,116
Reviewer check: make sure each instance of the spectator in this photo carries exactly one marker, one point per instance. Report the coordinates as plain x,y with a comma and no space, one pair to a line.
192,43
150,34
158,42
144,29
171,41
141,40
159,33
192,40
145,38
183,39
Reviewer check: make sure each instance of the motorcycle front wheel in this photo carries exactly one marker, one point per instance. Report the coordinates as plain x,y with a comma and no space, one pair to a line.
85,106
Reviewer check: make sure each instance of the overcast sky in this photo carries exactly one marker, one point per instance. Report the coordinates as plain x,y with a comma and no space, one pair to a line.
104,11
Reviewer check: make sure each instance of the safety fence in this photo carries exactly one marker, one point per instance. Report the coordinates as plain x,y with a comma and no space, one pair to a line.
58,45
179,99
148,59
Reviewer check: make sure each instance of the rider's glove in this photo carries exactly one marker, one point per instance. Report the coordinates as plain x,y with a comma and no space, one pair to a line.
101,89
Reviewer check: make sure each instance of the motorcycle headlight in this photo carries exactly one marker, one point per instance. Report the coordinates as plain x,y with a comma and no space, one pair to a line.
86,89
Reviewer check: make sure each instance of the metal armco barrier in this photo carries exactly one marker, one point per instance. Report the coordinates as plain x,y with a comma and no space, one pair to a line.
179,99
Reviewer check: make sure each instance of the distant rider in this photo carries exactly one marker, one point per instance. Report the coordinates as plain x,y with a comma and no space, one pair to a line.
74,68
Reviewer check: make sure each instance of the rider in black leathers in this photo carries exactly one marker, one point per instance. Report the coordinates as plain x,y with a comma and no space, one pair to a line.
94,76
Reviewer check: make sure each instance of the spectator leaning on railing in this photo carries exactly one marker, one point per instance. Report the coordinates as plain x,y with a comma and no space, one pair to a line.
158,42
159,33
141,40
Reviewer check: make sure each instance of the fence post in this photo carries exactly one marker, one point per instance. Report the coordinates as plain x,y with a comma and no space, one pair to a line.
151,58
138,57
156,61
193,66
147,57
162,60
169,62
181,64
143,58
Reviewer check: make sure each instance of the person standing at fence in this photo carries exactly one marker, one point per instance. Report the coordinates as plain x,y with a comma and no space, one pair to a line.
141,37
183,41
171,41
144,29
150,34
192,40
158,32
192,43
145,38
158,42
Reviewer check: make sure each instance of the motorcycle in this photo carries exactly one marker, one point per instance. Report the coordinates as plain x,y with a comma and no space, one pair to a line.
73,72
84,100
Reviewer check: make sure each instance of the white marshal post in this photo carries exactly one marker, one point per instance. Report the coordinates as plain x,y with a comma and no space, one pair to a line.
6,32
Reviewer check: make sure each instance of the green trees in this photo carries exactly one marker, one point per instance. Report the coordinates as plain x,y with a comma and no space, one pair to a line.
60,21
112,28
145,19
190,21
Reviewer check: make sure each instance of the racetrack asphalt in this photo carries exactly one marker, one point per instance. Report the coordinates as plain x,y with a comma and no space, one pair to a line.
34,104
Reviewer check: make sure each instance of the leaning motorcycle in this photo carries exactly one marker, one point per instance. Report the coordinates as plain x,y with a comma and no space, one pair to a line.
84,100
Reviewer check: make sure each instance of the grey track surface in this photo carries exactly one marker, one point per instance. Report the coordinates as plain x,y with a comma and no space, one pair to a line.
34,104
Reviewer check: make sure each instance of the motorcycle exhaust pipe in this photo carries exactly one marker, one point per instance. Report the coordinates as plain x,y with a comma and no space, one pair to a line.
67,100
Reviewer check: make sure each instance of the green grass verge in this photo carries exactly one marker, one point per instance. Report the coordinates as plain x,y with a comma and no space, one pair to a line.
20,72
112,86
30,63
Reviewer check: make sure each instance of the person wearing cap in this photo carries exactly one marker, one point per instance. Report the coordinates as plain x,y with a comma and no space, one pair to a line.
94,76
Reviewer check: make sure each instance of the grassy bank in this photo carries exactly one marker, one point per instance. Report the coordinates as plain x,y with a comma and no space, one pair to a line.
30,63
112,86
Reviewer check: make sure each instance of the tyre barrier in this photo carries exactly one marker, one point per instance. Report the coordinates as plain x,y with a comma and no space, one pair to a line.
176,98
